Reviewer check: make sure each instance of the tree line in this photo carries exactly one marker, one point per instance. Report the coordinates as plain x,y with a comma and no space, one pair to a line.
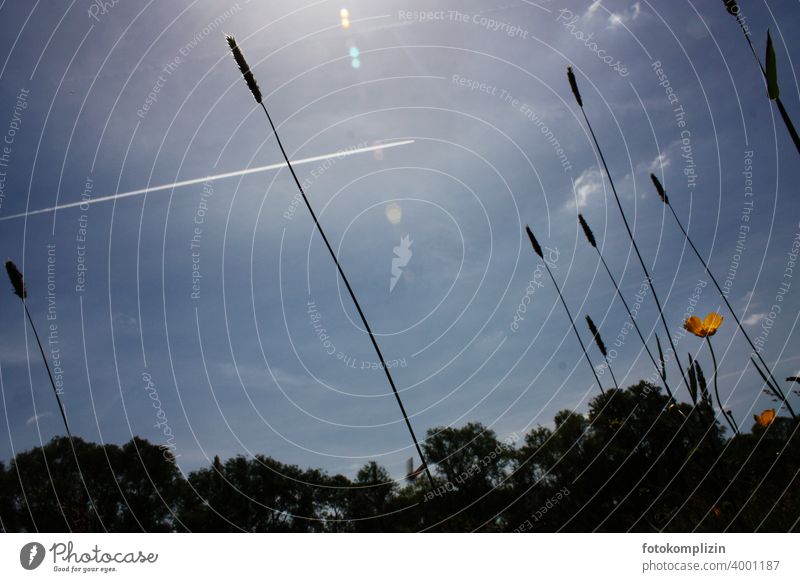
634,462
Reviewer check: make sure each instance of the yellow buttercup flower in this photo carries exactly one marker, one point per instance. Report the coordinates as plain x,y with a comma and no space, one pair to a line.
765,418
704,328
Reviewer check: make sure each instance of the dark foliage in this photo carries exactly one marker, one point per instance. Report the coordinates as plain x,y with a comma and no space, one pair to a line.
634,462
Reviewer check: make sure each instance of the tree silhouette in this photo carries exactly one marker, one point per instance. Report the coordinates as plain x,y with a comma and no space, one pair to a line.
636,461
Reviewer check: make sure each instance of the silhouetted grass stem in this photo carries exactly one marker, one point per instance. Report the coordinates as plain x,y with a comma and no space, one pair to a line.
253,86
538,250
632,239
590,237
731,310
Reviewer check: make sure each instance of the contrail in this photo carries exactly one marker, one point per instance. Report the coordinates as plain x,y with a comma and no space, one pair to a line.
339,154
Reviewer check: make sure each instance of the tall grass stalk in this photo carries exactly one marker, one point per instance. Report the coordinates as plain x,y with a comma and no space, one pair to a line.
601,346
665,199
538,250
21,291
769,72
574,85
593,242
254,89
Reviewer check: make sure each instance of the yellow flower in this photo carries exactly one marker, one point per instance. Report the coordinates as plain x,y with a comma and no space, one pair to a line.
765,418
705,328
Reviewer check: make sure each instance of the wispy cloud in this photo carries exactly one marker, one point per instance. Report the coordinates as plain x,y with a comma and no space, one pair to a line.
593,7
37,417
615,19
626,16
754,318
588,183
659,162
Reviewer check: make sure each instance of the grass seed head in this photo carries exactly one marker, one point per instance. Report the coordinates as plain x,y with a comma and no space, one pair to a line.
244,68
660,189
596,335
772,71
731,6
536,248
16,280
574,85
587,231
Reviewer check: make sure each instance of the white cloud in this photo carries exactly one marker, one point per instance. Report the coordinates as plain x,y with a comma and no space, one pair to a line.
754,318
626,16
37,417
660,161
593,7
588,183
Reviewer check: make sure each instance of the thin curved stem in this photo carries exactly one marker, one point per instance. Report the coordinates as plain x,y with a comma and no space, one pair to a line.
732,312
787,121
633,320
63,413
728,416
49,373
635,247
352,296
613,377
575,329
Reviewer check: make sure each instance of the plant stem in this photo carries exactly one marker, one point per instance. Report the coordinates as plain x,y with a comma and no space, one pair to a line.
730,308
633,320
49,373
787,121
352,296
63,414
613,377
575,329
635,246
728,417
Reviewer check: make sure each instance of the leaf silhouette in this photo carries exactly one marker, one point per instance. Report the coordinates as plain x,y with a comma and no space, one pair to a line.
772,71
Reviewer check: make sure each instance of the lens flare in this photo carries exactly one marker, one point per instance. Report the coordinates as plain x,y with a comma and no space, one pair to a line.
394,213
345,23
356,63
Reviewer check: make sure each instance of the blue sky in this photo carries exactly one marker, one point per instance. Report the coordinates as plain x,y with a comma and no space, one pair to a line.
477,86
